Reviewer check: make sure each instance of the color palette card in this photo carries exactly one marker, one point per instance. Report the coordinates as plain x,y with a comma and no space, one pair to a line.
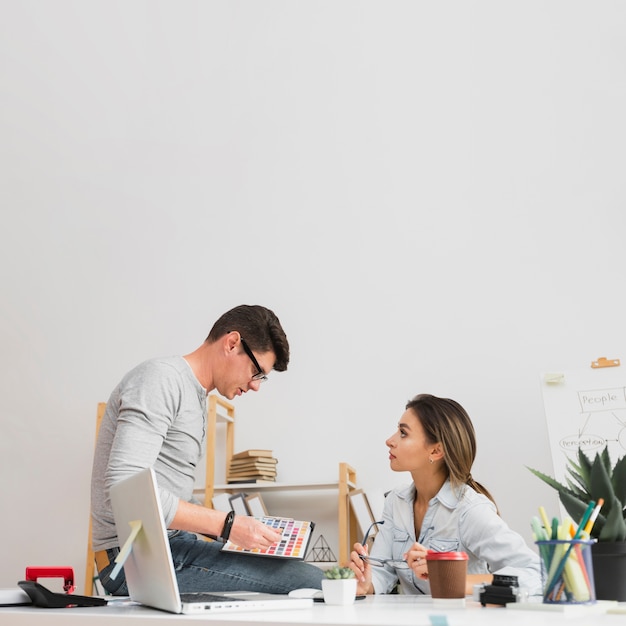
294,542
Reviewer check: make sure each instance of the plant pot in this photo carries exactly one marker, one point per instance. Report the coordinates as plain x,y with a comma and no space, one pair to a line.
339,591
609,570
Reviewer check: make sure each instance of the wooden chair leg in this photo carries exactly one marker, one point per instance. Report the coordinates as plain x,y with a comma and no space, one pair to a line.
90,565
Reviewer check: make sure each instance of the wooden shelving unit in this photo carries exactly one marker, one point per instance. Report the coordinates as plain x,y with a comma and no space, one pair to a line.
227,415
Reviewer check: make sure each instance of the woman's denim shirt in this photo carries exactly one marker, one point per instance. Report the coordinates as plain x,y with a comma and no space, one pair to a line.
461,520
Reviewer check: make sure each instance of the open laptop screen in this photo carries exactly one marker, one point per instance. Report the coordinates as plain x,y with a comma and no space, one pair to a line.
149,568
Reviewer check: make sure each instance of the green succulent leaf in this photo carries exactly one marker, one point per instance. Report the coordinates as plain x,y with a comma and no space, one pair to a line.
582,494
606,460
583,467
582,480
589,480
619,480
573,505
601,486
614,529
338,573
555,484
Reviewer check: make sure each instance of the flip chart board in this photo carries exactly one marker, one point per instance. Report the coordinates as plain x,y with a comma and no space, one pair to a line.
585,408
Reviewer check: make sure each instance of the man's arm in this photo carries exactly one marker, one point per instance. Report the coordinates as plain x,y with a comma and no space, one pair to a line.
246,531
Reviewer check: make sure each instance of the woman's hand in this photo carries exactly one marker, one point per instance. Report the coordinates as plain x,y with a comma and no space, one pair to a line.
416,560
362,570
249,533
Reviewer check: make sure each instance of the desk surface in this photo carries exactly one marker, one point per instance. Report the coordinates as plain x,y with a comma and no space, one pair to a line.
373,611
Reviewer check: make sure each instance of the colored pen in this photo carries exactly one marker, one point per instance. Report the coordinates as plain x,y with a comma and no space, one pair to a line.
594,516
538,530
544,520
585,519
555,529
563,561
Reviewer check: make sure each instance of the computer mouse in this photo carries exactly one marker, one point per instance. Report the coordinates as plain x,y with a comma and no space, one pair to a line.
306,592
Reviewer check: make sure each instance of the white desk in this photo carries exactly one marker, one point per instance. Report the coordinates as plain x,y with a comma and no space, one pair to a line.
373,611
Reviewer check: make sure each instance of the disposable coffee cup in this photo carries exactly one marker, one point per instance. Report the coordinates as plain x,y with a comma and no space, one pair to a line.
447,574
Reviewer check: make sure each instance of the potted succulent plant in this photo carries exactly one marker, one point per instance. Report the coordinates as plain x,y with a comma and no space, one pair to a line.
590,479
339,585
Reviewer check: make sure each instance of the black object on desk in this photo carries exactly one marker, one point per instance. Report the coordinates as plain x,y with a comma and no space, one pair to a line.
502,590
40,596
320,598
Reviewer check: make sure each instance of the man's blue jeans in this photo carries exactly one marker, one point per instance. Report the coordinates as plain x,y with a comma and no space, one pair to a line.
200,566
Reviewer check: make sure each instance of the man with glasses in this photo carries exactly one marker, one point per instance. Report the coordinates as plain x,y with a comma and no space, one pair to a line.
156,417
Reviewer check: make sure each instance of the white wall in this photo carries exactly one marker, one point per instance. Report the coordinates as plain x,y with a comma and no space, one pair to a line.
429,194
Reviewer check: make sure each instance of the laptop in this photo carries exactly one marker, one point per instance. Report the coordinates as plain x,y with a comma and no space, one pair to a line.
149,568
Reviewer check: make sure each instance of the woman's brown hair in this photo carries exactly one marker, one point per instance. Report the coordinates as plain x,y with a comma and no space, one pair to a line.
446,422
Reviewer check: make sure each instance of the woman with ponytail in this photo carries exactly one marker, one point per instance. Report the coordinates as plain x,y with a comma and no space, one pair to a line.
443,509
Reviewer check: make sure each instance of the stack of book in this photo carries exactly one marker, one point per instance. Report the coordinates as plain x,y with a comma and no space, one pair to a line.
252,466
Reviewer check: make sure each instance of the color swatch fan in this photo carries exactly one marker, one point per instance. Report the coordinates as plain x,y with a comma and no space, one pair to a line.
294,542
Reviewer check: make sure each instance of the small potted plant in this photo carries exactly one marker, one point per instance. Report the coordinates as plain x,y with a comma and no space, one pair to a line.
339,585
590,480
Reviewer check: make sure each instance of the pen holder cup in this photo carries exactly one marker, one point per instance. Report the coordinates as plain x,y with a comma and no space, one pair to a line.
567,571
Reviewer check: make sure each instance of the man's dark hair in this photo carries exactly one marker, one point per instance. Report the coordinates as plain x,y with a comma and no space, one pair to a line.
260,329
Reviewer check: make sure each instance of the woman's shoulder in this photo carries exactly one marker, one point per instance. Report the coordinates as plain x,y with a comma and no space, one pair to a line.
471,499
399,498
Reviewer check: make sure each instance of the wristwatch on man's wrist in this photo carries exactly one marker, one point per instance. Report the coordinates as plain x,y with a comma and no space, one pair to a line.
228,524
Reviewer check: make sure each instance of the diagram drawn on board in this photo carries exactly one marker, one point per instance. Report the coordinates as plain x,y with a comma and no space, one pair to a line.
585,408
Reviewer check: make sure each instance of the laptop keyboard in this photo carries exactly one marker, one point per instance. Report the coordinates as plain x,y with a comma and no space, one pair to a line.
201,596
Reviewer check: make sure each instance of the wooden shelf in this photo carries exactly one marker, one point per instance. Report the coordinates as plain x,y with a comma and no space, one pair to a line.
276,486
